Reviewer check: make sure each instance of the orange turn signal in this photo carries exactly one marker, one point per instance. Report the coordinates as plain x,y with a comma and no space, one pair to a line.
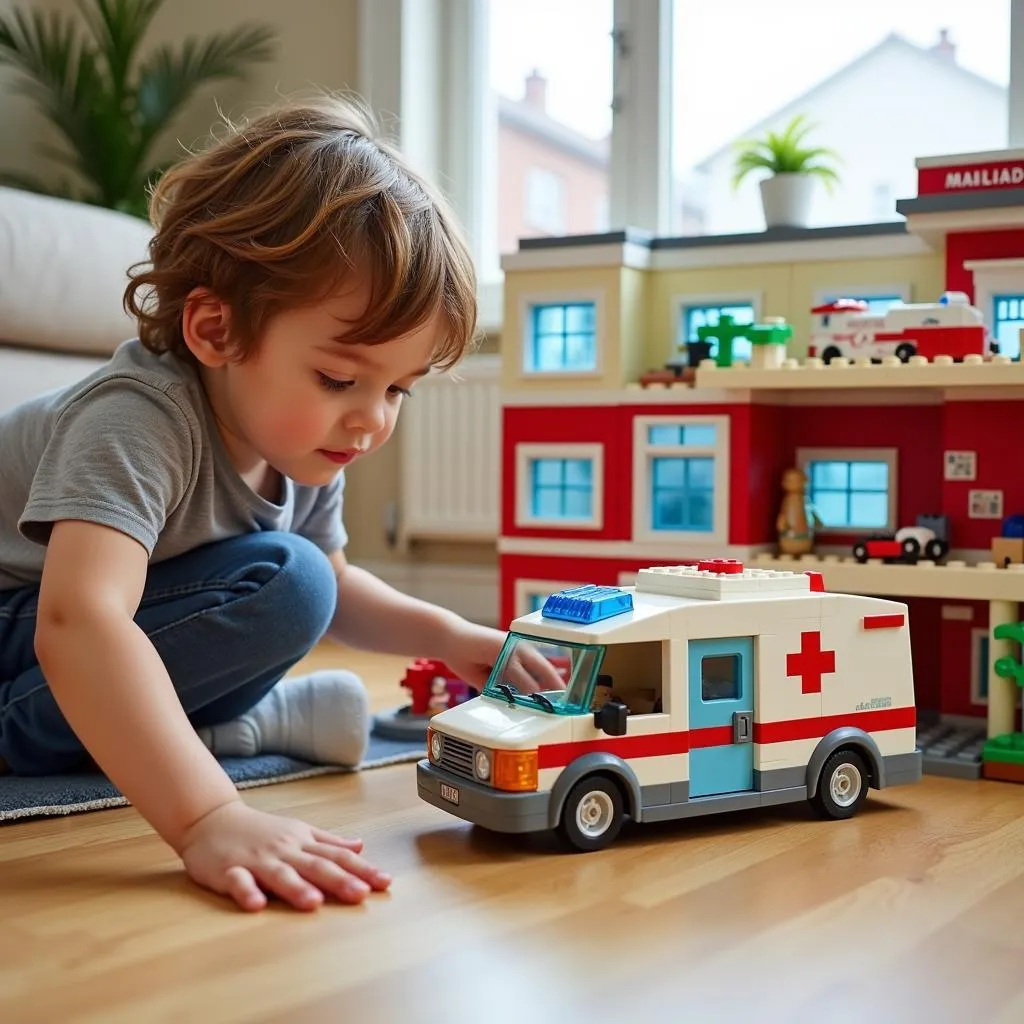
515,770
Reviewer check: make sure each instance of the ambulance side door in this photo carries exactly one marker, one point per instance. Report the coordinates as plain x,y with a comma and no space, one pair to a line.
721,706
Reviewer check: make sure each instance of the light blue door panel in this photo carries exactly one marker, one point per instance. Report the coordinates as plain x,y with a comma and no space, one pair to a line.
721,715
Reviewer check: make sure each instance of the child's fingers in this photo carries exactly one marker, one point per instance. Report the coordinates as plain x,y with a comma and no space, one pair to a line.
284,881
242,888
329,877
351,862
323,836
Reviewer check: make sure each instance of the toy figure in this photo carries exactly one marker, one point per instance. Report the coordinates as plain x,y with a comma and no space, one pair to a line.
797,519
438,700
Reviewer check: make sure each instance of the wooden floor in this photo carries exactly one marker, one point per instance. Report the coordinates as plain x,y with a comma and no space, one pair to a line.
911,912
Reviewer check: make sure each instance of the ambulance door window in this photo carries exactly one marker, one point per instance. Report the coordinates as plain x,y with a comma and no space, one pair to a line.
720,677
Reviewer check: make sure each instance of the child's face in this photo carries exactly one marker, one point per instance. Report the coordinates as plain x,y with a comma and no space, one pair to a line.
308,404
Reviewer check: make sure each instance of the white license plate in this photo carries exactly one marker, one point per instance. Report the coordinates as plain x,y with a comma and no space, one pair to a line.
449,793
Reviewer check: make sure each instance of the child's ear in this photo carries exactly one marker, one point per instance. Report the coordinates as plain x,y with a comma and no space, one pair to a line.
206,327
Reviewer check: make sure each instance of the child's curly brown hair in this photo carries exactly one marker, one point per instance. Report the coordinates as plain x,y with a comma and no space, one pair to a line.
276,213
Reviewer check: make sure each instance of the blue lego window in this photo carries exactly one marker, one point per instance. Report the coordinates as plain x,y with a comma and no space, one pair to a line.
687,435
850,494
1007,323
562,489
707,316
536,602
562,338
683,493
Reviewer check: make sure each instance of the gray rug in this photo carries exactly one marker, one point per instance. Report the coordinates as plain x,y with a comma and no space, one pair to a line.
52,795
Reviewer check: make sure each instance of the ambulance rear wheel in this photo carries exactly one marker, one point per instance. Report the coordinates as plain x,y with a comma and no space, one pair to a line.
842,787
592,815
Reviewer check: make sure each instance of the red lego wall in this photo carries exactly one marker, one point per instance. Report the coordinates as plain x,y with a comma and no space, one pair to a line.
977,245
987,429
955,651
754,467
914,431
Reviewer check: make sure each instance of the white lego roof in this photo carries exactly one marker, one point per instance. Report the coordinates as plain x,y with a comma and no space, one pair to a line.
663,599
709,585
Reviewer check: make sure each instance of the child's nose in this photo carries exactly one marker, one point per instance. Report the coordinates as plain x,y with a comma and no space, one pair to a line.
367,417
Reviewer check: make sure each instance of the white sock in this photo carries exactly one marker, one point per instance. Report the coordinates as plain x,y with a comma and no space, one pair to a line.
323,718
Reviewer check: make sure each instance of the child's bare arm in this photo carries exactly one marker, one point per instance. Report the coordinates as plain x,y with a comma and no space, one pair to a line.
114,691
111,685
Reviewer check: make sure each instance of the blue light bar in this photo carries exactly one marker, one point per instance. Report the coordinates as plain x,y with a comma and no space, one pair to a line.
589,603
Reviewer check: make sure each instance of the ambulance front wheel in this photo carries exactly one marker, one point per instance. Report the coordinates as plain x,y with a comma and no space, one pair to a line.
592,815
843,785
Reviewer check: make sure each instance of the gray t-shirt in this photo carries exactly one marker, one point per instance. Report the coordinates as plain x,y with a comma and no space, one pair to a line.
134,446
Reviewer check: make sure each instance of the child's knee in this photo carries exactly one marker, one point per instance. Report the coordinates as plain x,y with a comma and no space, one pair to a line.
303,592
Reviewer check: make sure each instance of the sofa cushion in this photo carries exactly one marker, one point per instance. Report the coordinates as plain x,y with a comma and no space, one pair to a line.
63,271
25,373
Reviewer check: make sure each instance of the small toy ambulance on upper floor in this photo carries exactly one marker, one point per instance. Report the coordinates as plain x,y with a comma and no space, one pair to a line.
707,687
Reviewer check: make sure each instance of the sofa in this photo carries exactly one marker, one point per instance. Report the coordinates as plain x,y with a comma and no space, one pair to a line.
63,270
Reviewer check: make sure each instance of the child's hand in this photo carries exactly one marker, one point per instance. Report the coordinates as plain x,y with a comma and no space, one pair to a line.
470,651
247,855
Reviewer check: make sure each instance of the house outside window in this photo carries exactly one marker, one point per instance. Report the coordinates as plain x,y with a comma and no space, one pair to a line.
695,316
562,337
680,480
559,485
851,490
1007,323
545,201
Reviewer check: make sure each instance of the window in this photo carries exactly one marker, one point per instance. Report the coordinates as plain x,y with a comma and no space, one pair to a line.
851,490
696,314
980,666
959,52
1008,322
561,336
550,75
720,677
545,201
680,482
559,485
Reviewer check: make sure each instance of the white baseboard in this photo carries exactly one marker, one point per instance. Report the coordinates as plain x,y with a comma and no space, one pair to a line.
468,590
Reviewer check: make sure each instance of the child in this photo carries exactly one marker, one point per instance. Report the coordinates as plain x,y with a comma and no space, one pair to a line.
171,539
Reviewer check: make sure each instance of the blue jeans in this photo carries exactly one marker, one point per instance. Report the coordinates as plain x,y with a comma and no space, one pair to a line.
228,620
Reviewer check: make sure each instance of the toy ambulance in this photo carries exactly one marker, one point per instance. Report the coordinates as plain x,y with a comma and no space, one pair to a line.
706,687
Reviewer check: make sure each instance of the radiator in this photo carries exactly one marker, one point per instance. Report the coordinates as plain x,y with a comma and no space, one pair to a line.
451,454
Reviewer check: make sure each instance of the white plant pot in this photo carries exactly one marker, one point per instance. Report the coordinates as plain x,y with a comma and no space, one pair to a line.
787,200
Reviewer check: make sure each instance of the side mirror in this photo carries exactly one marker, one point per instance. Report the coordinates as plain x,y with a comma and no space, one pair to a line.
611,718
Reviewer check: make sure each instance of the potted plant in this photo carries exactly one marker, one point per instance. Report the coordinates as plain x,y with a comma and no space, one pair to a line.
109,104
793,167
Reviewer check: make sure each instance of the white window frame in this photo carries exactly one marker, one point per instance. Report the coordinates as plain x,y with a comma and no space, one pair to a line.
992,278
524,589
643,452
681,302
890,456
526,453
555,298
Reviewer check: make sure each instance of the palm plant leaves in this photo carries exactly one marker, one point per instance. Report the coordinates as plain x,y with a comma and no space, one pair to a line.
80,73
784,153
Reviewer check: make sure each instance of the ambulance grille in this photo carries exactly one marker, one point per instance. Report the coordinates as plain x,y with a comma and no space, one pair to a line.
457,757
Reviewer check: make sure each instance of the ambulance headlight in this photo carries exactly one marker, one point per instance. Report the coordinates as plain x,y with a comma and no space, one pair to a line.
435,745
482,764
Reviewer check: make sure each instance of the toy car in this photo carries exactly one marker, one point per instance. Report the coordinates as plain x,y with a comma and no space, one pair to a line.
703,689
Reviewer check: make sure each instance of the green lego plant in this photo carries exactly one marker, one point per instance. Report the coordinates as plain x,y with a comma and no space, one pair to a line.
785,153
109,105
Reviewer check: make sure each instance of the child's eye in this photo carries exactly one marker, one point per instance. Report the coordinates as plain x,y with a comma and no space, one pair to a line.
330,384
394,391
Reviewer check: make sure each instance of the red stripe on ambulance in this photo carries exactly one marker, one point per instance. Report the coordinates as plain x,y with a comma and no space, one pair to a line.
883,621
558,755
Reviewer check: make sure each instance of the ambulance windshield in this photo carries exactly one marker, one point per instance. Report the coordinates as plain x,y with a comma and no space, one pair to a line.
557,678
